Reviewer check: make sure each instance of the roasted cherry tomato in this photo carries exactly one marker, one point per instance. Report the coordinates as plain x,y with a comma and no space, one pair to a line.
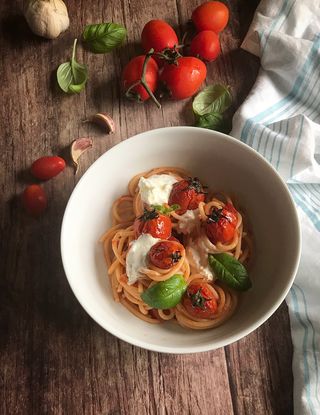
173,238
205,45
158,35
154,223
165,254
187,194
183,79
47,167
199,301
132,73
221,224
212,15
34,200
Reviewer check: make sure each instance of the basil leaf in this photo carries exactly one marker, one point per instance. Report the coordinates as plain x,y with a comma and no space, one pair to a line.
165,294
104,37
72,76
165,210
212,121
229,270
212,99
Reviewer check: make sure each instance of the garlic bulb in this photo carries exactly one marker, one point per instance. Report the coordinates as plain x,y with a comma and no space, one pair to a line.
47,18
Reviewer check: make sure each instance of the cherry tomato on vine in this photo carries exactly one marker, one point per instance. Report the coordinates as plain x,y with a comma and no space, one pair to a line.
132,73
165,254
183,79
47,167
205,45
34,200
212,15
199,301
221,224
187,194
158,35
154,223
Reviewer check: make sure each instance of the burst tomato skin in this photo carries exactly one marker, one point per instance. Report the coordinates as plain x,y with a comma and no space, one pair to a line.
158,35
183,79
221,224
205,45
153,223
187,195
131,74
34,200
47,167
165,254
212,15
199,301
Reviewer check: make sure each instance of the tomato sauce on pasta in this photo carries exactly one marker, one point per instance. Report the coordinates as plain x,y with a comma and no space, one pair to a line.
209,210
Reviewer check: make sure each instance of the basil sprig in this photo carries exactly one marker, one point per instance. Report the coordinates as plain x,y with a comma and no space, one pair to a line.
229,270
209,105
104,37
165,210
165,294
72,76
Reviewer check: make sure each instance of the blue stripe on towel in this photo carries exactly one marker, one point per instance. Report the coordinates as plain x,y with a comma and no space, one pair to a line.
306,375
297,89
277,21
313,333
296,147
302,202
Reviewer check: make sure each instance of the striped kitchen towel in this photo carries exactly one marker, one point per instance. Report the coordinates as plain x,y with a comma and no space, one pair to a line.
281,120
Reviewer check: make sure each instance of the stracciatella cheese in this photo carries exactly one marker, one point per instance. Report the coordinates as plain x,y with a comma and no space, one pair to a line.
137,256
156,189
188,222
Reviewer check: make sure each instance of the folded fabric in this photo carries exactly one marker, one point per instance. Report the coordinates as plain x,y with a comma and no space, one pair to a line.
281,120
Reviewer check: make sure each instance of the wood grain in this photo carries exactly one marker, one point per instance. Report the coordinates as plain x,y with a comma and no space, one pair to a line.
53,358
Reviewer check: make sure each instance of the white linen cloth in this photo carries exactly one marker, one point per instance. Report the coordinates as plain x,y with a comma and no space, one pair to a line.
281,120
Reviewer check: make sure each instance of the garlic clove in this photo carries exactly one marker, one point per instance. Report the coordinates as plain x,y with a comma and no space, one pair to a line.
47,18
78,147
104,120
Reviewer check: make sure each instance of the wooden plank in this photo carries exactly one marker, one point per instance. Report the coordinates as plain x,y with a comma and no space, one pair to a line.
53,358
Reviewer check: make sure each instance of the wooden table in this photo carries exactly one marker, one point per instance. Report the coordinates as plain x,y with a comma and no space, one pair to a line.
54,359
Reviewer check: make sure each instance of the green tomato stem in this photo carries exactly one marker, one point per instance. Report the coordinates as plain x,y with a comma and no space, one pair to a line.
74,49
143,78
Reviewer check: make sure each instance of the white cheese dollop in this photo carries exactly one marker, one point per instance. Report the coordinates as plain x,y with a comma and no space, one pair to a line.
198,255
188,222
156,189
137,256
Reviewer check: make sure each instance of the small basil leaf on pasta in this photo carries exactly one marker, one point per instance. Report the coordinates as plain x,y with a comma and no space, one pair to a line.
104,37
165,210
230,271
212,99
165,294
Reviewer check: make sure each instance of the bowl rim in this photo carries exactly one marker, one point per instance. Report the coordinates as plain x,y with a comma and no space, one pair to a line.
217,343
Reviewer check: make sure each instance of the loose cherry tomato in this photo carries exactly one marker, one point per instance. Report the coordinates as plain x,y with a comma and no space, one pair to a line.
212,15
158,35
184,78
205,45
221,224
165,254
199,301
187,194
154,223
47,167
34,200
132,73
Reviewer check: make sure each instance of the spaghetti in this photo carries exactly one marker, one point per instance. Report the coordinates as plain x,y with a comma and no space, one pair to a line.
191,262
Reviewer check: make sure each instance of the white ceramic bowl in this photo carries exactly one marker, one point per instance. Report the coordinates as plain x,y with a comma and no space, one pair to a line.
223,163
